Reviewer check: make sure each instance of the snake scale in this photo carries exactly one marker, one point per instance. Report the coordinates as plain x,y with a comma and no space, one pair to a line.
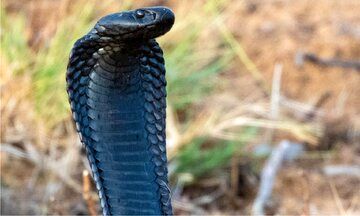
116,87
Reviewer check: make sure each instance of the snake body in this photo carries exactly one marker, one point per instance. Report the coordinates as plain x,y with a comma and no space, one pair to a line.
116,87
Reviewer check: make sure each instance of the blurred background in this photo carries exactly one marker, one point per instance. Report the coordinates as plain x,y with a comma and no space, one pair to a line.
263,112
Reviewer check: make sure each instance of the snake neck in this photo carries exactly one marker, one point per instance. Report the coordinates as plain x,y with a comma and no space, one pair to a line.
123,96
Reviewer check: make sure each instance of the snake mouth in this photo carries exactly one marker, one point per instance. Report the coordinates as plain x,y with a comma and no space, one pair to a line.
114,32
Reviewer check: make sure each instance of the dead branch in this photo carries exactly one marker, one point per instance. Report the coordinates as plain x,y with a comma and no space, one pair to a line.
326,62
334,170
268,176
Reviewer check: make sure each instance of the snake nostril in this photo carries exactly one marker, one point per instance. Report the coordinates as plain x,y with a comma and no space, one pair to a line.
140,13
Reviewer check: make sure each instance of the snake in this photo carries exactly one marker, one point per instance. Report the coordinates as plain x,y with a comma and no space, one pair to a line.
117,92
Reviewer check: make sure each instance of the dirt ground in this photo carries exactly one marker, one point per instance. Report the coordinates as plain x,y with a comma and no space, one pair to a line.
271,32
275,31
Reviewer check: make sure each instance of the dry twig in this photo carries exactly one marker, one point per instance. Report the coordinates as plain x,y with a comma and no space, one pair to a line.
87,193
333,170
337,199
268,176
274,101
331,62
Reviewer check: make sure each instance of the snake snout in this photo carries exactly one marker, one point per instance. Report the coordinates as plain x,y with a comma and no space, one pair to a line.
168,18
163,15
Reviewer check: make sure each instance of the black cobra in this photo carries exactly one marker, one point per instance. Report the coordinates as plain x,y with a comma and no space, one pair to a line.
116,86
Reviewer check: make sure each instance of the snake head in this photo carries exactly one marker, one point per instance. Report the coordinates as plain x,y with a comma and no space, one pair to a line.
143,23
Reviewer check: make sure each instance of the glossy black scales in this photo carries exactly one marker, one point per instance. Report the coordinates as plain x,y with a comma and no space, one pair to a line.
116,86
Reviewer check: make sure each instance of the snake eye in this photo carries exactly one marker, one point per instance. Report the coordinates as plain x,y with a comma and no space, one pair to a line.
140,14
